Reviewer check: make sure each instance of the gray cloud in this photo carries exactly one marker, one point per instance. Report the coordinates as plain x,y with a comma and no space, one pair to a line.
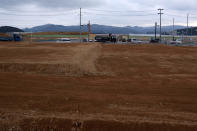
178,8
142,4
51,3
172,4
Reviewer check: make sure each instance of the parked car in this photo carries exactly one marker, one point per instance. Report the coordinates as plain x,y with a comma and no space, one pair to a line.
135,41
176,41
153,40
86,40
64,40
124,40
90,40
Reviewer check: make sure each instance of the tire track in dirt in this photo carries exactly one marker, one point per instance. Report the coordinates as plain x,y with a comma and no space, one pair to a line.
86,56
81,61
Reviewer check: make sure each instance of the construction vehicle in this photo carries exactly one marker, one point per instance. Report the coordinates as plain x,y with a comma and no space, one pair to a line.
10,37
105,38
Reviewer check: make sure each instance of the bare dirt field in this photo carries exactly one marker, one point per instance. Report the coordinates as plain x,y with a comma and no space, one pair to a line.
97,87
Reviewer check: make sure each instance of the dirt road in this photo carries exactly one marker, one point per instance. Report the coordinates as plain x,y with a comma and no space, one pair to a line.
94,87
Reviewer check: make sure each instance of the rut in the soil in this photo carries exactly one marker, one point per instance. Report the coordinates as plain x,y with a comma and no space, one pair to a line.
83,62
53,124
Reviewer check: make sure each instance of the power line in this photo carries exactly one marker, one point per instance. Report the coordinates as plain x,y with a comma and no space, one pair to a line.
16,14
182,11
176,15
37,11
102,10
36,14
119,14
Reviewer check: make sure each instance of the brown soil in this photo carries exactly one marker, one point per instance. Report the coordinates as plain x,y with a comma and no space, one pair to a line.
97,87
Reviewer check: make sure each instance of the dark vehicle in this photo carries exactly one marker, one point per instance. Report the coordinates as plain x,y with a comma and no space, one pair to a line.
17,37
124,40
154,40
14,37
85,40
105,38
102,38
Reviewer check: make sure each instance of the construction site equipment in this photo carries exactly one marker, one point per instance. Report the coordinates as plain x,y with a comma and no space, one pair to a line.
10,37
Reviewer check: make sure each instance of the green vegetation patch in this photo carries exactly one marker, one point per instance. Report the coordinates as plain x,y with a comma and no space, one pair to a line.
57,36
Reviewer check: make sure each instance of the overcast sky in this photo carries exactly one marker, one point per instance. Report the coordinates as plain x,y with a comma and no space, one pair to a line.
29,13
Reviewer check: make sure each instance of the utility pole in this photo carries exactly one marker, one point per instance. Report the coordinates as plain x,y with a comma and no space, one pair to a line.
160,13
80,25
187,24
155,30
89,30
191,35
31,36
173,30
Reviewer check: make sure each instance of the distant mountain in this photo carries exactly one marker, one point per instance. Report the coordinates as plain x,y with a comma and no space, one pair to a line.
100,29
54,28
6,29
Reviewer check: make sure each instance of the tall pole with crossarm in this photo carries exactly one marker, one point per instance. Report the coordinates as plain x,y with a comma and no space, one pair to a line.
160,13
80,25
